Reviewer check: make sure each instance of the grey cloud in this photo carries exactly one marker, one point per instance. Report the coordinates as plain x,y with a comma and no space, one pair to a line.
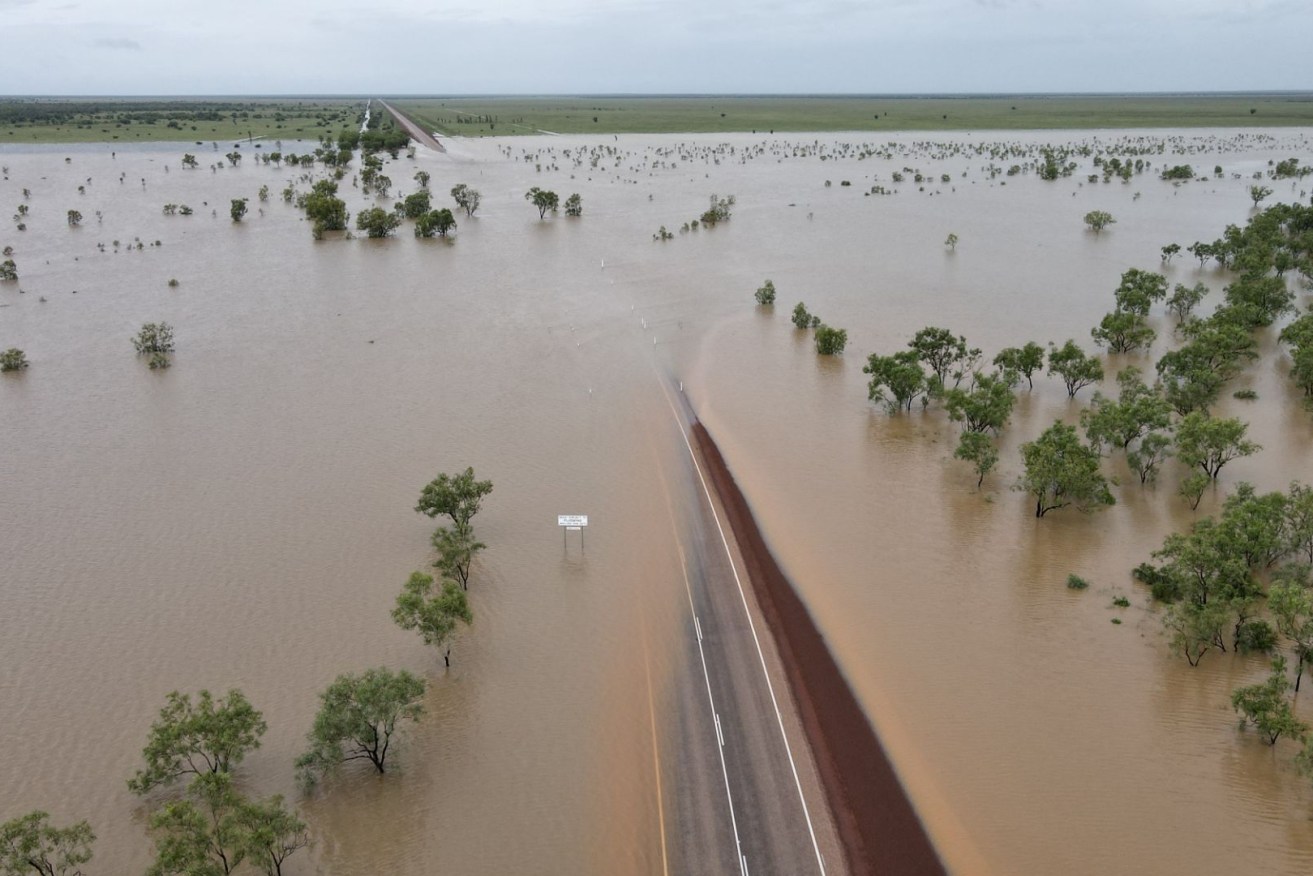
118,43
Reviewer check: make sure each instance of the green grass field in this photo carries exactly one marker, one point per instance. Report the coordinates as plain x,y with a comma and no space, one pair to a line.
501,116
136,120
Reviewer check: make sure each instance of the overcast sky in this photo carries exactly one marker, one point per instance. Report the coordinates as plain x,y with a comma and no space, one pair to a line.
646,46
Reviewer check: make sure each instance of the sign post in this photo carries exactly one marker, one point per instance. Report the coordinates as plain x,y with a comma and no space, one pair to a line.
572,523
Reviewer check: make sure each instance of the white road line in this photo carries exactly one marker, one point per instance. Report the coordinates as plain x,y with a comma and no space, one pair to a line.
820,862
697,626
711,700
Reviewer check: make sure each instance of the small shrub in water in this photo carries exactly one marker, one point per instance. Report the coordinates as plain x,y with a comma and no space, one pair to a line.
1076,582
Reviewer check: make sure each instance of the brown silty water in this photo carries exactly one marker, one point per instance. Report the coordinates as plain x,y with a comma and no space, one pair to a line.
244,518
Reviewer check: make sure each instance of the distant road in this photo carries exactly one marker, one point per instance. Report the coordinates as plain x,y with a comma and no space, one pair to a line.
416,132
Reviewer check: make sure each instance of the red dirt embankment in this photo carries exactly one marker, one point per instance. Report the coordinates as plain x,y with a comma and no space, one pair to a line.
879,829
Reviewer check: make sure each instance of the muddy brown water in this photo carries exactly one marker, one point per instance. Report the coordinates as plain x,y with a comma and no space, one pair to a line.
244,518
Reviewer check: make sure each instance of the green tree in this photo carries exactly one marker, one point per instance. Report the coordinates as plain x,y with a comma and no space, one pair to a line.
456,552
765,295
1258,193
1298,527
416,205
1169,251
8,270
977,449
272,834
1061,471
1192,488
189,161
900,374
31,844
74,218
1024,361
951,241
211,736
1098,220
377,222
802,319
1255,523
458,497
13,359
1152,451
1211,443
1075,368
946,354
1258,301
1195,629
719,210
1267,708
1138,290
263,193
203,834
438,222
1139,410
987,404
238,209
422,177
574,205
1291,603
1123,332
155,340
830,341
466,198
357,718
433,615
1185,299
543,200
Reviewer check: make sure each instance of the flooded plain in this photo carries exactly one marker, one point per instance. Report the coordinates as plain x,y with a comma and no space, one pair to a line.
245,517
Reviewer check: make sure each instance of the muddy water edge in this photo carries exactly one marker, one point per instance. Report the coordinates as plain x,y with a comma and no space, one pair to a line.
244,518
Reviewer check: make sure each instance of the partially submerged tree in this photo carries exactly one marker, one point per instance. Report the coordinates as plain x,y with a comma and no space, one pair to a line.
765,294
13,359
433,614
358,716
977,449
155,340
944,353
439,222
1097,220
1211,443
238,209
457,497
574,205
830,341
1061,471
543,200
1266,707
1076,369
377,222
209,736
466,198
31,844
986,405
1023,361
900,374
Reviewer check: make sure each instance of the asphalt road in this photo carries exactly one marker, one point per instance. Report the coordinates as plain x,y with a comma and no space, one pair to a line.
735,790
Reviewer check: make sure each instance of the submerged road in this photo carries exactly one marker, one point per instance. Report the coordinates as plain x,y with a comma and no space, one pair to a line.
743,790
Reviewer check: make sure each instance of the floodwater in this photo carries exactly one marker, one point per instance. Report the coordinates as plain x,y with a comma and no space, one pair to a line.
244,518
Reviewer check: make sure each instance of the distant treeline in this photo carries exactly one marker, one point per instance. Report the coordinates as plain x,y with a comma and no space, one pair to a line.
70,112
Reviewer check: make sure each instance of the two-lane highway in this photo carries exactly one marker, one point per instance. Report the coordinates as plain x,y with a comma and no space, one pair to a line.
740,783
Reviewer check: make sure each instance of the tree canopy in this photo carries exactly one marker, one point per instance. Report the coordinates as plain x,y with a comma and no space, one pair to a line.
358,716
208,736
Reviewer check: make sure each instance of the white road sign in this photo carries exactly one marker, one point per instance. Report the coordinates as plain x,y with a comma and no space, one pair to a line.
572,520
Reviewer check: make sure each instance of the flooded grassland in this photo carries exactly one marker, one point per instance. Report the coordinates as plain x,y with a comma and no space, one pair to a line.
244,518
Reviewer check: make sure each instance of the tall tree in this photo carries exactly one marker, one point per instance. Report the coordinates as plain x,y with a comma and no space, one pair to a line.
358,716
210,736
1211,443
900,374
1267,708
434,615
1024,361
458,497
1076,369
31,844
1061,471
543,200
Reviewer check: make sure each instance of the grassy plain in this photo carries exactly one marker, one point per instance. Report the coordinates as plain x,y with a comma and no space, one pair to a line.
498,116
136,120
